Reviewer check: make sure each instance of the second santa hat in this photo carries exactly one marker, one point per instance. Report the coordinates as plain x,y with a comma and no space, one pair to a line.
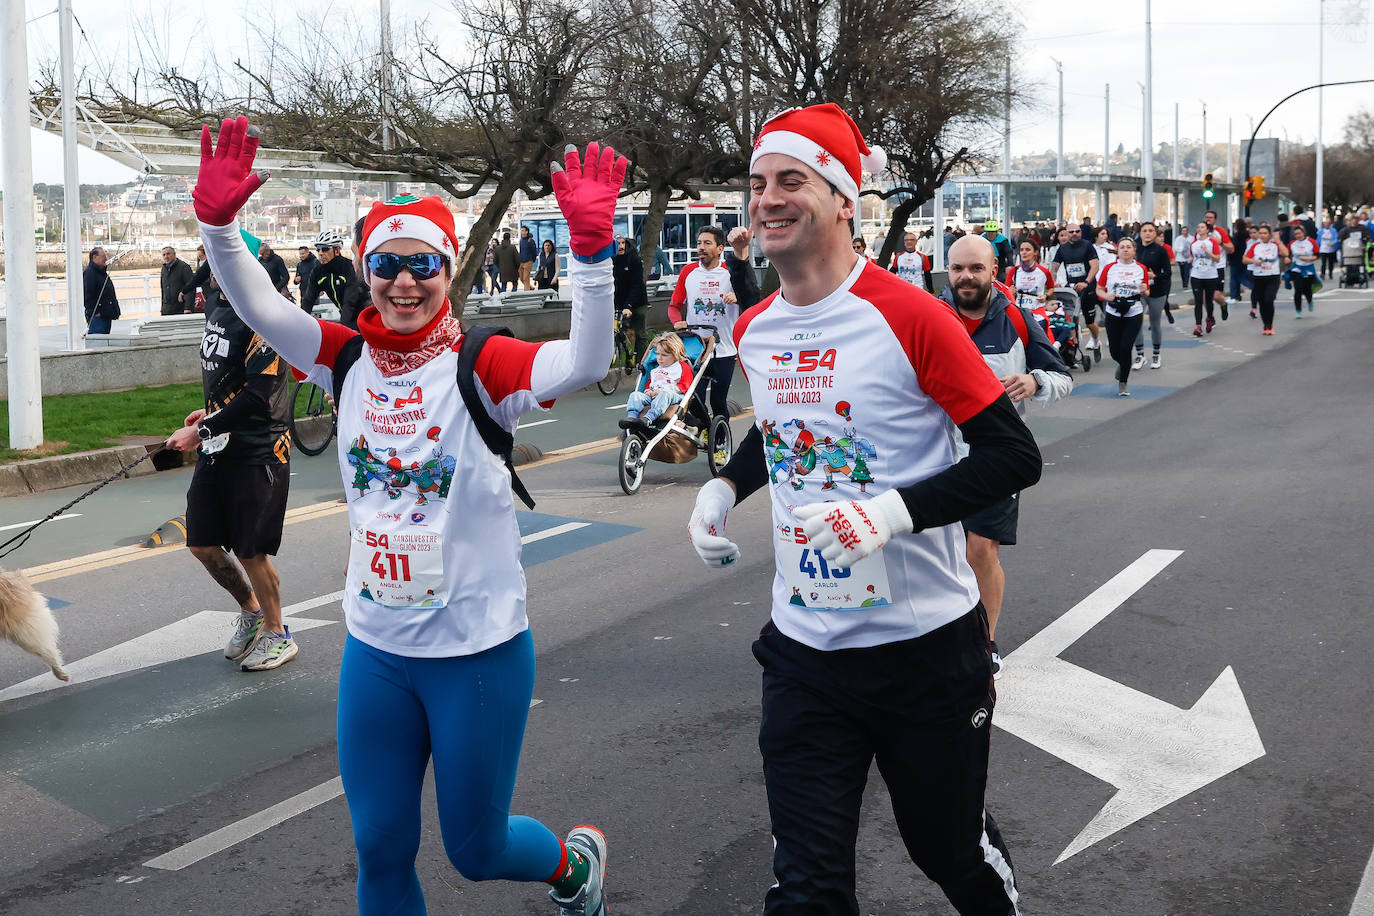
409,217
827,140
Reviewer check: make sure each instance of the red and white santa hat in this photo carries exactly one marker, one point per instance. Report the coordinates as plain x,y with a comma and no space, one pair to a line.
409,217
826,139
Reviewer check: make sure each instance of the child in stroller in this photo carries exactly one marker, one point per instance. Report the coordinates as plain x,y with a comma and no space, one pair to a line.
1062,310
1355,261
669,378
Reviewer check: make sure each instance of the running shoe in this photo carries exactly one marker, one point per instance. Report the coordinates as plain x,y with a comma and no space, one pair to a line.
1121,391
247,627
1226,312
272,651
1169,313
1197,331
1254,314
1139,360
1157,362
1309,306
1268,332
1097,350
590,899
1299,314
1211,323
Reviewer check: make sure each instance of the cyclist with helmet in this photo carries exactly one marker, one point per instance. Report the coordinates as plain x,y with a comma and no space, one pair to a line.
992,231
332,275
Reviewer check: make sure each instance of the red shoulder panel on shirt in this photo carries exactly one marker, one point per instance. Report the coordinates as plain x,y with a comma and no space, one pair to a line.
504,366
742,324
948,365
332,338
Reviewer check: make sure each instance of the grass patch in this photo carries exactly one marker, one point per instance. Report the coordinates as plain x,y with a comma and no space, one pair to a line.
82,422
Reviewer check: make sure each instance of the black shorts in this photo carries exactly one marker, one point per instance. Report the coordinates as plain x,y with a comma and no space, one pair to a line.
240,507
997,522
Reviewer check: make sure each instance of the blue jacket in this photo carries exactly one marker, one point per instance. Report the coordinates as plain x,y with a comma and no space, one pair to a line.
529,249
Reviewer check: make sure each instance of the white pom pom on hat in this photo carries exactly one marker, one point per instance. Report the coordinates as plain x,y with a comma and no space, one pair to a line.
875,161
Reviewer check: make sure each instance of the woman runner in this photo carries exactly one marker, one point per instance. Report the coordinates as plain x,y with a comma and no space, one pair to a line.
1264,256
438,661
1120,289
1206,252
1304,269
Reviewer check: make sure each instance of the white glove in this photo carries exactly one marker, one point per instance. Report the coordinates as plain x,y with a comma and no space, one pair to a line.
846,532
707,527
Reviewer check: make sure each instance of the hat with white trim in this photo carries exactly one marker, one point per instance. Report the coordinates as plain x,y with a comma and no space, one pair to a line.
425,219
827,140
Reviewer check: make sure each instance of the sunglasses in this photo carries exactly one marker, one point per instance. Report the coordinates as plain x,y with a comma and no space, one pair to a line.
423,266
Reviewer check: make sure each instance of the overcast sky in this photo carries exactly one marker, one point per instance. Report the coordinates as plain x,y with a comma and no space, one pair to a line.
1240,56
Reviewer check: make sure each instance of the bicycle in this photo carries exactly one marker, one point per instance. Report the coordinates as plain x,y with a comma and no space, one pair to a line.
622,360
308,429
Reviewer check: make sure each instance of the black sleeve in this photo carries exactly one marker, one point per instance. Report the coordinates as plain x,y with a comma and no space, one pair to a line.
746,468
742,280
198,279
1003,459
246,409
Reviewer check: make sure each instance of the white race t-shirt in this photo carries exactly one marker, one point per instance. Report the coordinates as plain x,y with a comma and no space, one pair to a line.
1204,267
1125,280
857,394
1266,255
700,298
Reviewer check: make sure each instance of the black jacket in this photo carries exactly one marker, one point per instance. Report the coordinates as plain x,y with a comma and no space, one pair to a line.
175,277
99,293
276,269
247,390
357,295
628,271
304,268
743,281
330,279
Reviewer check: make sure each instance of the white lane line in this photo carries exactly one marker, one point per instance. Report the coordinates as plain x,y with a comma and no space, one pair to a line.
536,423
232,834
1364,897
36,521
250,826
553,532
617,406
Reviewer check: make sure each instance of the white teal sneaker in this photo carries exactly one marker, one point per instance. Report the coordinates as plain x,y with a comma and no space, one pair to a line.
272,651
247,627
1139,361
590,899
1156,362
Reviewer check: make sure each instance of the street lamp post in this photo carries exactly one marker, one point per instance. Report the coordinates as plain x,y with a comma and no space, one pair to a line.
1321,58
1147,149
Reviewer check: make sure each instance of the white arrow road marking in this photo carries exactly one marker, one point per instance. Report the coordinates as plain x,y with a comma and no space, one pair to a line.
1364,897
196,635
202,632
1153,752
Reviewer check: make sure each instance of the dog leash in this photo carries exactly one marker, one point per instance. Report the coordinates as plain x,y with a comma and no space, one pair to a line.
23,536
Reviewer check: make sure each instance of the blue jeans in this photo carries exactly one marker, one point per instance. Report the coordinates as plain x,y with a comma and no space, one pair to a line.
468,714
1237,277
658,404
98,325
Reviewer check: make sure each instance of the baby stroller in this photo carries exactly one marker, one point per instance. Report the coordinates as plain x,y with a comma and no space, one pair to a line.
686,427
1355,261
1064,331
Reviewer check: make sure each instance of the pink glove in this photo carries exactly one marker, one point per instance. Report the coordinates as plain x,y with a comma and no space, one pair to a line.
226,179
587,194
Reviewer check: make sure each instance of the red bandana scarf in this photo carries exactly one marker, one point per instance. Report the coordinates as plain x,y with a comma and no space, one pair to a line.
397,354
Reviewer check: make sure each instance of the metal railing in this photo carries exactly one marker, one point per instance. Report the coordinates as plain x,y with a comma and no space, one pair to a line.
140,296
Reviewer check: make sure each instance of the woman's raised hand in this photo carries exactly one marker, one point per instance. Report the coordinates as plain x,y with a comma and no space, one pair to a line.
226,179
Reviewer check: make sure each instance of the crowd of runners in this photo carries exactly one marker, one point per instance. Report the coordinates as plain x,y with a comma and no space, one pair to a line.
888,584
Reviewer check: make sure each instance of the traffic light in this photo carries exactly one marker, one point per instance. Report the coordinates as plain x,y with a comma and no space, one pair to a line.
1259,187
1249,192
1207,190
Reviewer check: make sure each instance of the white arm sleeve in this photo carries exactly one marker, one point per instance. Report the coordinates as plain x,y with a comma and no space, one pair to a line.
287,329
563,366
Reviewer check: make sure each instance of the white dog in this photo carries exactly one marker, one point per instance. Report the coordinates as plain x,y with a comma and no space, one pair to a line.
26,621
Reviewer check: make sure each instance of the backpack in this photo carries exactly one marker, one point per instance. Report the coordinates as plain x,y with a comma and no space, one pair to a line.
496,437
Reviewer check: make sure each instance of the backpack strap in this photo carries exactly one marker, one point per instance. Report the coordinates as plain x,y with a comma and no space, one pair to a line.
348,355
497,437
1018,321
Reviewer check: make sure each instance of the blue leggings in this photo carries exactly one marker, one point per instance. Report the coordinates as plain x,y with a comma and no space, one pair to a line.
469,713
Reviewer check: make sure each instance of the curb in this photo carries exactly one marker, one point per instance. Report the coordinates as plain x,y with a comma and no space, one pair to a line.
40,474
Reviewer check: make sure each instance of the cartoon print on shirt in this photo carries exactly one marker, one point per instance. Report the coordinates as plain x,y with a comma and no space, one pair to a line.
846,455
432,476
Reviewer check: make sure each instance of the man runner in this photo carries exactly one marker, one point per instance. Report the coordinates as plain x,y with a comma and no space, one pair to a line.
878,645
705,286
1028,366
1222,238
237,498
1079,258
910,264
